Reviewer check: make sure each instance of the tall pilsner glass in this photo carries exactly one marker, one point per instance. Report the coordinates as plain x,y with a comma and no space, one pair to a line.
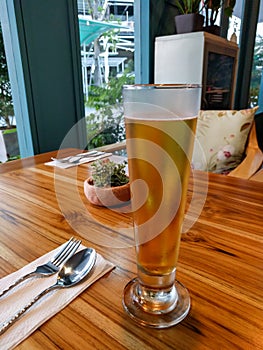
160,123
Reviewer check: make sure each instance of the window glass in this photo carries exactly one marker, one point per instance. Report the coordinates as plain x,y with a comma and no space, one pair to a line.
256,83
235,22
9,148
107,57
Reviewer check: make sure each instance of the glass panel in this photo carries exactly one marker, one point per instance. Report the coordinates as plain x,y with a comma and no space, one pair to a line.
9,148
256,83
235,22
107,53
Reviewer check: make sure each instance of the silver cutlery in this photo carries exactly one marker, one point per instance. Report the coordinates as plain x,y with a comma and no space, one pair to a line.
52,266
78,157
73,272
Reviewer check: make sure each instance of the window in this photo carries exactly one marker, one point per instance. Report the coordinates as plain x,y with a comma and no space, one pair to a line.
256,79
256,82
107,58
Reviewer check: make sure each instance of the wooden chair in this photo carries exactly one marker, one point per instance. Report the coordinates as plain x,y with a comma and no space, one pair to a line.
253,160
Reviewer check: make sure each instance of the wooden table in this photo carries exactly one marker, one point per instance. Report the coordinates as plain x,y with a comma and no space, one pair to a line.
221,260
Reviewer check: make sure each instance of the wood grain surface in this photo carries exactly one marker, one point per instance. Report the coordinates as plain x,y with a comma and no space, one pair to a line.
221,260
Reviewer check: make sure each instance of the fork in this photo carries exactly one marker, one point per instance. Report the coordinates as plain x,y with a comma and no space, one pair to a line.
52,266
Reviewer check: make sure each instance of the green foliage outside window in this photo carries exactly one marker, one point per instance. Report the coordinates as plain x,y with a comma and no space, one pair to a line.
106,124
257,70
6,101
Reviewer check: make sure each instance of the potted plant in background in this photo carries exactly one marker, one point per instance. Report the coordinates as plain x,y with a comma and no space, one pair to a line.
108,185
212,8
189,20
9,146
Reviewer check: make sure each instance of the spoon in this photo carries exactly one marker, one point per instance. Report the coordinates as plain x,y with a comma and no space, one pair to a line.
72,272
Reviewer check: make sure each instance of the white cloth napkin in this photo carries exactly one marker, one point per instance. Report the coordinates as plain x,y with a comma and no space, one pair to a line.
46,307
58,164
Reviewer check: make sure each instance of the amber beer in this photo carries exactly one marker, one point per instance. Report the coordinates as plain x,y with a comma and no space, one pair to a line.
160,122
159,156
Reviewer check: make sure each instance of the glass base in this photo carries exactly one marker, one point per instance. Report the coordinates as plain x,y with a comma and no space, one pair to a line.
135,305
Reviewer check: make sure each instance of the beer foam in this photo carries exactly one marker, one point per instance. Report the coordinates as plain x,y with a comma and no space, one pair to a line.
159,118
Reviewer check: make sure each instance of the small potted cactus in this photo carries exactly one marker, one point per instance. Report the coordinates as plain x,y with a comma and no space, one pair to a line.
108,184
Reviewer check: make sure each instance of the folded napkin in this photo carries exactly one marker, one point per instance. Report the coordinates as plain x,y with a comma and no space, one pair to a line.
46,307
67,164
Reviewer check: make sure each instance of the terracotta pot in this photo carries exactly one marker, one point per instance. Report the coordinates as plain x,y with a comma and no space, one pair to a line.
192,22
107,196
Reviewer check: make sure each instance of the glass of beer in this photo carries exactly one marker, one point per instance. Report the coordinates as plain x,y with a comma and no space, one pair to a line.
160,123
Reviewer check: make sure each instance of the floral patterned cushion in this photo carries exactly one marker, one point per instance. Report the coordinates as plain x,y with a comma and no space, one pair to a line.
221,139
